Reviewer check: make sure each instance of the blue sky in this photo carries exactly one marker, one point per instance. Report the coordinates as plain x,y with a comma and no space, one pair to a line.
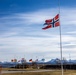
21,34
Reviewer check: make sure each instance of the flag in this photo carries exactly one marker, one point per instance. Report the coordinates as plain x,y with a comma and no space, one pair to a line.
19,60
30,60
52,22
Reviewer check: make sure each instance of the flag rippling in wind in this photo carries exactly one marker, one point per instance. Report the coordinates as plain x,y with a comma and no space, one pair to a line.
30,60
52,22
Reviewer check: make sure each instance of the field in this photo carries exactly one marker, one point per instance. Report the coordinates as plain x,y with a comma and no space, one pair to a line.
54,72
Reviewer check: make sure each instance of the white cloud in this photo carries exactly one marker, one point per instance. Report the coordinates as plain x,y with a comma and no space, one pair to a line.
25,37
67,16
72,32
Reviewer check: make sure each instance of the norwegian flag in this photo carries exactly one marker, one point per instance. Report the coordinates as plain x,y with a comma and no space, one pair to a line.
52,22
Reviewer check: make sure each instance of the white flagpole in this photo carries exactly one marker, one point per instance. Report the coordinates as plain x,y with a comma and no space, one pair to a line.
60,40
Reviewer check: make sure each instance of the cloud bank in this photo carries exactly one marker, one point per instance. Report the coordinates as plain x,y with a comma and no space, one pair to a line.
21,35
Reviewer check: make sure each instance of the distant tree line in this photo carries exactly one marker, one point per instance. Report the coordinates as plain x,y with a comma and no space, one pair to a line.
45,66
72,66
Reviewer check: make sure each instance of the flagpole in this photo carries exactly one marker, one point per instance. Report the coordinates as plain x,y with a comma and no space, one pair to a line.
60,39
